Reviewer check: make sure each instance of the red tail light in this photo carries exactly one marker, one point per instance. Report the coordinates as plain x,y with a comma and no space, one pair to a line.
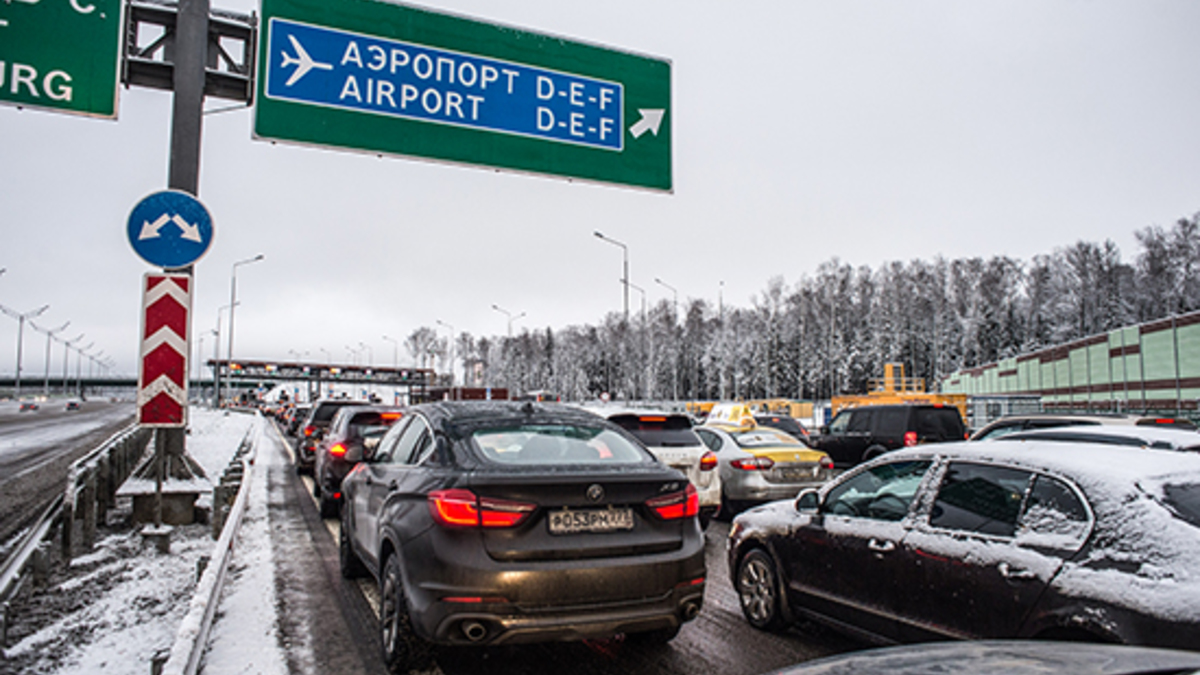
708,461
910,439
461,508
338,450
309,430
684,504
826,462
390,417
753,464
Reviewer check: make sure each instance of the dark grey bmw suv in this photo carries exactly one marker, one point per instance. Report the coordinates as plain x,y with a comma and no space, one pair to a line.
500,523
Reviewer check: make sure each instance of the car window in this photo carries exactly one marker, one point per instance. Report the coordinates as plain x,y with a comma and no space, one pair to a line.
860,421
710,439
1184,501
980,498
1001,430
763,437
387,446
891,421
1053,508
941,423
840,423
412,440
882,492
664,431
557,444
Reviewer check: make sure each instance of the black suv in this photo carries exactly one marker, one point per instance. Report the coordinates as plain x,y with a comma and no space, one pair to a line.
858,434
312,430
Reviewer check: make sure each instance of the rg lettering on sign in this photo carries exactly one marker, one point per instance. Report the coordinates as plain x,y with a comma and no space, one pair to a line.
335,68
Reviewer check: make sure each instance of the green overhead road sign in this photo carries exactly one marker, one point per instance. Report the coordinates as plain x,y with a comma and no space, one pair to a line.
61,55
386,78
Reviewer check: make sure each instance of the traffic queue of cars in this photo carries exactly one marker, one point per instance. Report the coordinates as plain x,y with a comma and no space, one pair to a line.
501,523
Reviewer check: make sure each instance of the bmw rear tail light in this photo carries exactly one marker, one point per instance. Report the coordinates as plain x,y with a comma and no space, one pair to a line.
708,461
462,508
826,462
338,450
910,439
683,504
753,464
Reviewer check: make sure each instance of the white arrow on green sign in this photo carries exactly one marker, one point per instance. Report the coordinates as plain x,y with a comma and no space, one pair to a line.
61,55
388,78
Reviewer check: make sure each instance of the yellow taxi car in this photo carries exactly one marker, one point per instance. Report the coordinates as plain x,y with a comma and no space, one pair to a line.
756,463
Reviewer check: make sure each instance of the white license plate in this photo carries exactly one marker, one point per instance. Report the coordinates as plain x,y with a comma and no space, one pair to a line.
606,520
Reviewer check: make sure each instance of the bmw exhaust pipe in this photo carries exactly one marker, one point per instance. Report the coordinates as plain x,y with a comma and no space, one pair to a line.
474,631
690,610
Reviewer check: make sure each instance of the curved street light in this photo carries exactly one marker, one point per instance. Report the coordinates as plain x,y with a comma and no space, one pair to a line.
233,303
21,317
625,276
510,316
451,328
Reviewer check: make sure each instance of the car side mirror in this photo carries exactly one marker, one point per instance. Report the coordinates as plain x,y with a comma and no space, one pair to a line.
809,501
369,447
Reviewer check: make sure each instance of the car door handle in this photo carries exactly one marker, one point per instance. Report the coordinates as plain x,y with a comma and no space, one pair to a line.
881,546
1009,572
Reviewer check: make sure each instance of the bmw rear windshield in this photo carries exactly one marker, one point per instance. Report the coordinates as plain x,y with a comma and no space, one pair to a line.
536,444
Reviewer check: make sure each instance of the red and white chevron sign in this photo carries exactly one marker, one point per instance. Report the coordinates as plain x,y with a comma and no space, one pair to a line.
163,369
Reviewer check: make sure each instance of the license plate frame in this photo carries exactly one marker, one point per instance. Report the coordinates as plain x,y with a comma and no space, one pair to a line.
590,521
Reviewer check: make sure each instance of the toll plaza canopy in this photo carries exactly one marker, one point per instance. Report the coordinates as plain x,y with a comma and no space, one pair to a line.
415,380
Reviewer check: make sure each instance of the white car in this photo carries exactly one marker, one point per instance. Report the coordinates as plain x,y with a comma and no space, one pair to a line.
670,437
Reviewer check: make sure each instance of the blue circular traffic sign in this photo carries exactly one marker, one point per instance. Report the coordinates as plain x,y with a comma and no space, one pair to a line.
170,229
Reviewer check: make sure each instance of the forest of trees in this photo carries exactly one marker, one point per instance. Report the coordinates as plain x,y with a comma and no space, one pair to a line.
831,332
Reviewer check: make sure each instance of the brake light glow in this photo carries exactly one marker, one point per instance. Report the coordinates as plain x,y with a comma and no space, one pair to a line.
474,600
708,461
338,450
309,430
649,418
461,508
753,464
683,504
826,462
694,582
391,417
910,439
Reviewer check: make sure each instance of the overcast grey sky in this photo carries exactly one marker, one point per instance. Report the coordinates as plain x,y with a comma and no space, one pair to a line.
867,130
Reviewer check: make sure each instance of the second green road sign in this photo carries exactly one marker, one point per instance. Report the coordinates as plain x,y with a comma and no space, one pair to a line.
387,78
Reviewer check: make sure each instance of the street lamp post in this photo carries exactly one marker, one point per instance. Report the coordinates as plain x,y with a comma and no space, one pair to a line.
21,317
625,275
49,336
67,344
79,354
216,358
675,359
233,302
510,316
451,328
370,353
395,351
647,390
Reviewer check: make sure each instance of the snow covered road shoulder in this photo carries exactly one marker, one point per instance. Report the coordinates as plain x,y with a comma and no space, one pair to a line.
116,608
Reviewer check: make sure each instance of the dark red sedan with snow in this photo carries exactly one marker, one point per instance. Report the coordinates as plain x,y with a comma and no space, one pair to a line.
1039,539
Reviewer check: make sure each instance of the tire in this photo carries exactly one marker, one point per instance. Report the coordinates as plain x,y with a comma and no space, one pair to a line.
351,565
758,591
403,649
654,637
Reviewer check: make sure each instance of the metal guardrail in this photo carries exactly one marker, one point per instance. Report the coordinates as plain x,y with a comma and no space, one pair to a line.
192,637
92,483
